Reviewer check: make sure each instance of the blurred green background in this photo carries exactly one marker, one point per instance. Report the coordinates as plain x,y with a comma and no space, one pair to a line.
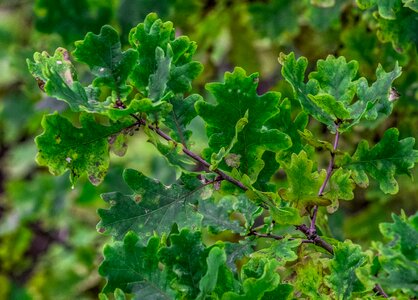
49,248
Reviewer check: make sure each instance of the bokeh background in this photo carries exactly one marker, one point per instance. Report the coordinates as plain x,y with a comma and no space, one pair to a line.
49,246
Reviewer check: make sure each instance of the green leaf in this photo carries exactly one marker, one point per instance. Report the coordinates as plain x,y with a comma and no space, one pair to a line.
388,158
172,152
235,98
59,79
118,295
181,115
335,78
217,216
217,158
294,72
374,99
398,259
331,106
343,279
303,183
315,142
329,93
218,278
237,251
185,262
259,277
165,62
81,150
387,9
341,187
152,208
309,278
404,231
103,54
284,122
132,266
286,215
412,4
396,24
281,250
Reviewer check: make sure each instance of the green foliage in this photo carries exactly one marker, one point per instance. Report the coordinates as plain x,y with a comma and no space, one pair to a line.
237,99
81,150
243,212
382,162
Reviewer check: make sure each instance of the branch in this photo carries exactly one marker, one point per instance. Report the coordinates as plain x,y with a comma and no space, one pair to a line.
191,154
315,239
312,230
273,236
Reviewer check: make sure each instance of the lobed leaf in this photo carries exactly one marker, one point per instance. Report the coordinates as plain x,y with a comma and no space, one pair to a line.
104,55
329,93
152,208
81,150
259,277
343,279
132,266
235,98
185,262
165,62
398,259
385,160
303,183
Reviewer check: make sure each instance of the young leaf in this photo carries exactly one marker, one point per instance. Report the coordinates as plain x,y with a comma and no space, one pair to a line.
309,278
294,72
152,208
373,100
335,78
259,277
388,158
328,94
80,150
103,54
133,267
343,280
303,183
235,98
281,250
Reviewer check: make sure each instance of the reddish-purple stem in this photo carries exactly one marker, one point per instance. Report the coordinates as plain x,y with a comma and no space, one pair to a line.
312,230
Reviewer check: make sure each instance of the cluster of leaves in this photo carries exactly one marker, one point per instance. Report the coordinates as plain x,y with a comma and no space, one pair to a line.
162,246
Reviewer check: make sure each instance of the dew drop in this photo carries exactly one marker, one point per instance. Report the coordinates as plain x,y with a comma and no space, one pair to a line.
101,69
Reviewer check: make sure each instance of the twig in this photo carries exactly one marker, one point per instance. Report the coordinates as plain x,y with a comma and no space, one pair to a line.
191,154
312,230
315,239
378,289
273,236
303,228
